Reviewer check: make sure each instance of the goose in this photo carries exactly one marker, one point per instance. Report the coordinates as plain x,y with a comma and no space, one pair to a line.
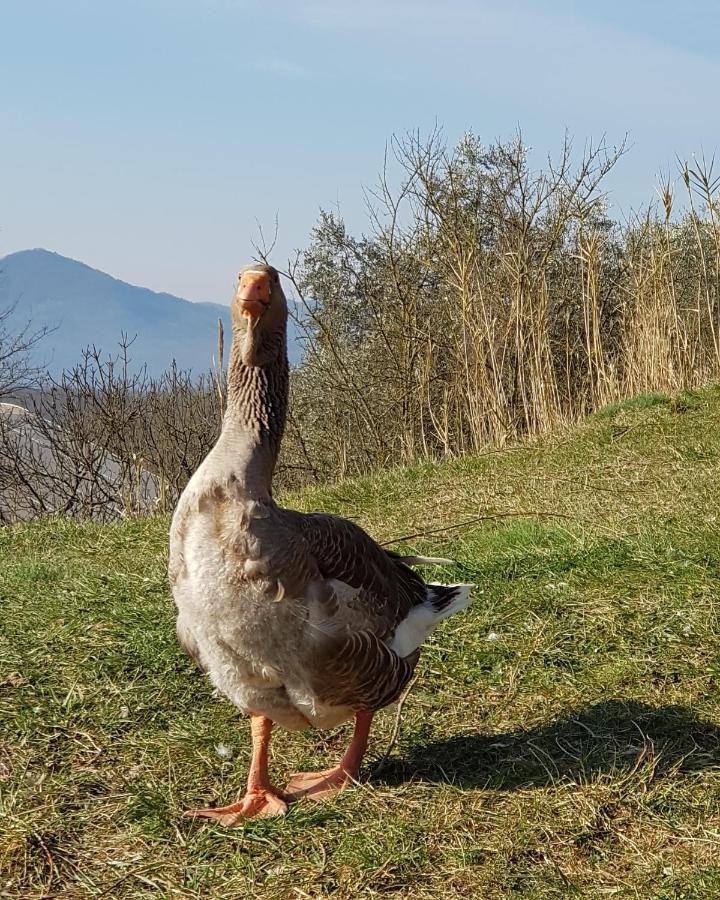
300,620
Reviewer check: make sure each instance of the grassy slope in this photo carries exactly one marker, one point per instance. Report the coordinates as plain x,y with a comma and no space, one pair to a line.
563,738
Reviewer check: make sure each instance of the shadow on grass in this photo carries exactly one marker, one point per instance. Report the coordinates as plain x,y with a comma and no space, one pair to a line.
612,737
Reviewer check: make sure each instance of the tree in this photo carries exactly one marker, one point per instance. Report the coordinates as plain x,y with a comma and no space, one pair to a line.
17,369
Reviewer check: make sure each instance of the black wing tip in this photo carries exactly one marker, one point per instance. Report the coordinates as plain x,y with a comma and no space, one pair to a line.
442,595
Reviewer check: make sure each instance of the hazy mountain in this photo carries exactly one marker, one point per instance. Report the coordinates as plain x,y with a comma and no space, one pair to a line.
86,307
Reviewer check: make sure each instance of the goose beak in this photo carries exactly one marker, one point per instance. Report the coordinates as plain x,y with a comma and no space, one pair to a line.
253,293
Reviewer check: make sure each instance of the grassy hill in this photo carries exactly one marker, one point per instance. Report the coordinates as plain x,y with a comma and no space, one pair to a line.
562,739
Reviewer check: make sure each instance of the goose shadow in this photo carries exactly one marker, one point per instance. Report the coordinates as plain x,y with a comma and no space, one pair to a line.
610,737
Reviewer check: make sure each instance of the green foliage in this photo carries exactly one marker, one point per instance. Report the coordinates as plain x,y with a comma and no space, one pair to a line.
641,401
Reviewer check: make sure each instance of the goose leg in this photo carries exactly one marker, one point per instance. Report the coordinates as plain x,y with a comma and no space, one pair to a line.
320,785
261,799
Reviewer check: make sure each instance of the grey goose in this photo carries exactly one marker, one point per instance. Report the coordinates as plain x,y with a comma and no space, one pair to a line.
298,619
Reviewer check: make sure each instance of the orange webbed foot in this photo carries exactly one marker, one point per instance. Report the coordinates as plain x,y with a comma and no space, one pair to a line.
259,804
318,785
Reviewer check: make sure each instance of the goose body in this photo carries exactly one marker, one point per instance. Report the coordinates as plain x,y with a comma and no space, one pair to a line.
301,618
298,619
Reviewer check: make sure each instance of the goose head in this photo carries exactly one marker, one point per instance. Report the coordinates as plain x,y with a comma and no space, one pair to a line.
259,313
259,297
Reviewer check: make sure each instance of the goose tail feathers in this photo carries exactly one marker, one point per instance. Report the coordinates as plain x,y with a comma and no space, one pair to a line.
447,599
442,601
426,561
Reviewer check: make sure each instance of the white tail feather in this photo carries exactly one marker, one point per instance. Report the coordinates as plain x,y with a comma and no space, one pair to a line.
421,621
426,561
460,601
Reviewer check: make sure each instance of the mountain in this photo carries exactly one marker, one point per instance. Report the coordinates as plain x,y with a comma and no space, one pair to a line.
86,306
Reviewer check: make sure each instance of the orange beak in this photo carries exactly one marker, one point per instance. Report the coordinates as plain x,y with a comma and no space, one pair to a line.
253,293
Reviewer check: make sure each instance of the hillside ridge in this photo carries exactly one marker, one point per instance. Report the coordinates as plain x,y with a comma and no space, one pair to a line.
85,306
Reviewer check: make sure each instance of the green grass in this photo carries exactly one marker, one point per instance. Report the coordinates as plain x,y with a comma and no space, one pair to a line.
562,740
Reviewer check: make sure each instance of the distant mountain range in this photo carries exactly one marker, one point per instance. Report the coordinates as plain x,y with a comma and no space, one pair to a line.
86,306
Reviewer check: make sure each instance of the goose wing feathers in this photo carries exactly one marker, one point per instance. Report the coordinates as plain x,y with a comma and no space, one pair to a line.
361,672
370,591
384,589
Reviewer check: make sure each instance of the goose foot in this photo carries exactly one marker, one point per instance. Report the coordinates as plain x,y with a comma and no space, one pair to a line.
258,804
321,785
261,800
318,785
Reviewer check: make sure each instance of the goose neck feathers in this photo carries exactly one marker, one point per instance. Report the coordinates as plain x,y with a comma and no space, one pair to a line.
257,382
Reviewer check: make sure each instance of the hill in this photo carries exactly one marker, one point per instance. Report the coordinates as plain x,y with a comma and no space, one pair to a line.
87,306
562,739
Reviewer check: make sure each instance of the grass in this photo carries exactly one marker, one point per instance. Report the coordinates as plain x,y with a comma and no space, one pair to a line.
562,740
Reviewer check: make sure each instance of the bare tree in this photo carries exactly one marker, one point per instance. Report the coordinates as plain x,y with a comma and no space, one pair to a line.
105,441
17,343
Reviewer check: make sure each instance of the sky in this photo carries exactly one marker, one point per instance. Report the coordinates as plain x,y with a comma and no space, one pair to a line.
154,139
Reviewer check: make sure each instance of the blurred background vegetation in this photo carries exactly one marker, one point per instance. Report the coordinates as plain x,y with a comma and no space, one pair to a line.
486,301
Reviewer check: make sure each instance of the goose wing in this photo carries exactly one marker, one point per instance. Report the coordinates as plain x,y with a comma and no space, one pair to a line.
380,585
368,591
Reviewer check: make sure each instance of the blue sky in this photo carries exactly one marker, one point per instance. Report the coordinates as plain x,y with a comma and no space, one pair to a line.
149,138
